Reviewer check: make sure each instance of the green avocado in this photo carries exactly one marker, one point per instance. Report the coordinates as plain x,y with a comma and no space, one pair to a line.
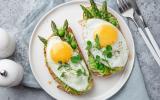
101,69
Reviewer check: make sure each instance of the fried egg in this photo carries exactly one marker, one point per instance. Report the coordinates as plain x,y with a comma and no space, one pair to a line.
58,50
108,35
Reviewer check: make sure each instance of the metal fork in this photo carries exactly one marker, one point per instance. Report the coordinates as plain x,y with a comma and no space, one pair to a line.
128,11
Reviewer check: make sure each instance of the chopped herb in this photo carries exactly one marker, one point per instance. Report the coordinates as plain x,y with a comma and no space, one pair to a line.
79,72
109,55
60,67
63,66
100,66
108,51
98,58
97,45
89,45
109,48
76,59
66,65
63,74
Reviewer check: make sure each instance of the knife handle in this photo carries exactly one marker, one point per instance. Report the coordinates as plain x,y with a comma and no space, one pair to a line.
149,45
151,38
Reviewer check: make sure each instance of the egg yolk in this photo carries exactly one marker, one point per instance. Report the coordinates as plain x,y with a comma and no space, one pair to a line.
107,34
61,51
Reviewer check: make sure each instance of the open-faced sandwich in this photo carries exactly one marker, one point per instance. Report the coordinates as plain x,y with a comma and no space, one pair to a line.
106,47
65,61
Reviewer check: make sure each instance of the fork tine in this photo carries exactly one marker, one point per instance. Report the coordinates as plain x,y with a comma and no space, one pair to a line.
125,4
120,6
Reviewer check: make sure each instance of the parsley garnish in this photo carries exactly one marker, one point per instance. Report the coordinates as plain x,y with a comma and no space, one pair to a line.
76,59
62,65
79,72
109,48
89,45
108,51
98,58
63,74
109,55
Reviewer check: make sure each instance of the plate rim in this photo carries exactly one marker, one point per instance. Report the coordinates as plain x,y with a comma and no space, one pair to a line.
61,5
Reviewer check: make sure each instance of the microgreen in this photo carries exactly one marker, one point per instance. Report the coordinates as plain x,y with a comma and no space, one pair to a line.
89,45
109,55
109,48
62,65
76,59
108,51
79,72
98,58
63,74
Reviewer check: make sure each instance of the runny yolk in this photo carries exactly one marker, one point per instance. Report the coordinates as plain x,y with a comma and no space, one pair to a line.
107,34
61,51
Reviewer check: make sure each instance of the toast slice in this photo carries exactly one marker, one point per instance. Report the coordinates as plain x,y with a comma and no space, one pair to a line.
92,12
65,33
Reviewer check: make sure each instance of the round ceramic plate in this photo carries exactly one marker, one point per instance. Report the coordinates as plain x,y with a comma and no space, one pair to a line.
103,87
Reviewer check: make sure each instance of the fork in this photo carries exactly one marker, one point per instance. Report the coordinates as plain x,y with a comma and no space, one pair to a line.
127,11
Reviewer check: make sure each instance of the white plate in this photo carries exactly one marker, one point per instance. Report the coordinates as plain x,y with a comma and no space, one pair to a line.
103,88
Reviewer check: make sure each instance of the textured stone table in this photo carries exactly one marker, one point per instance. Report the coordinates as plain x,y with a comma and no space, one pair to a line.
151,72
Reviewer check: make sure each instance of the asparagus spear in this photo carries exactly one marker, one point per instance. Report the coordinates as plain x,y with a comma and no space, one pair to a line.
43,40
104,12
95,11
54,28
62,31
87,14
107,16
65,26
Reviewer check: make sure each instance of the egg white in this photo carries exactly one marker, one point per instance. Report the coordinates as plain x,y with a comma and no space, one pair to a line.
119,48
79,83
